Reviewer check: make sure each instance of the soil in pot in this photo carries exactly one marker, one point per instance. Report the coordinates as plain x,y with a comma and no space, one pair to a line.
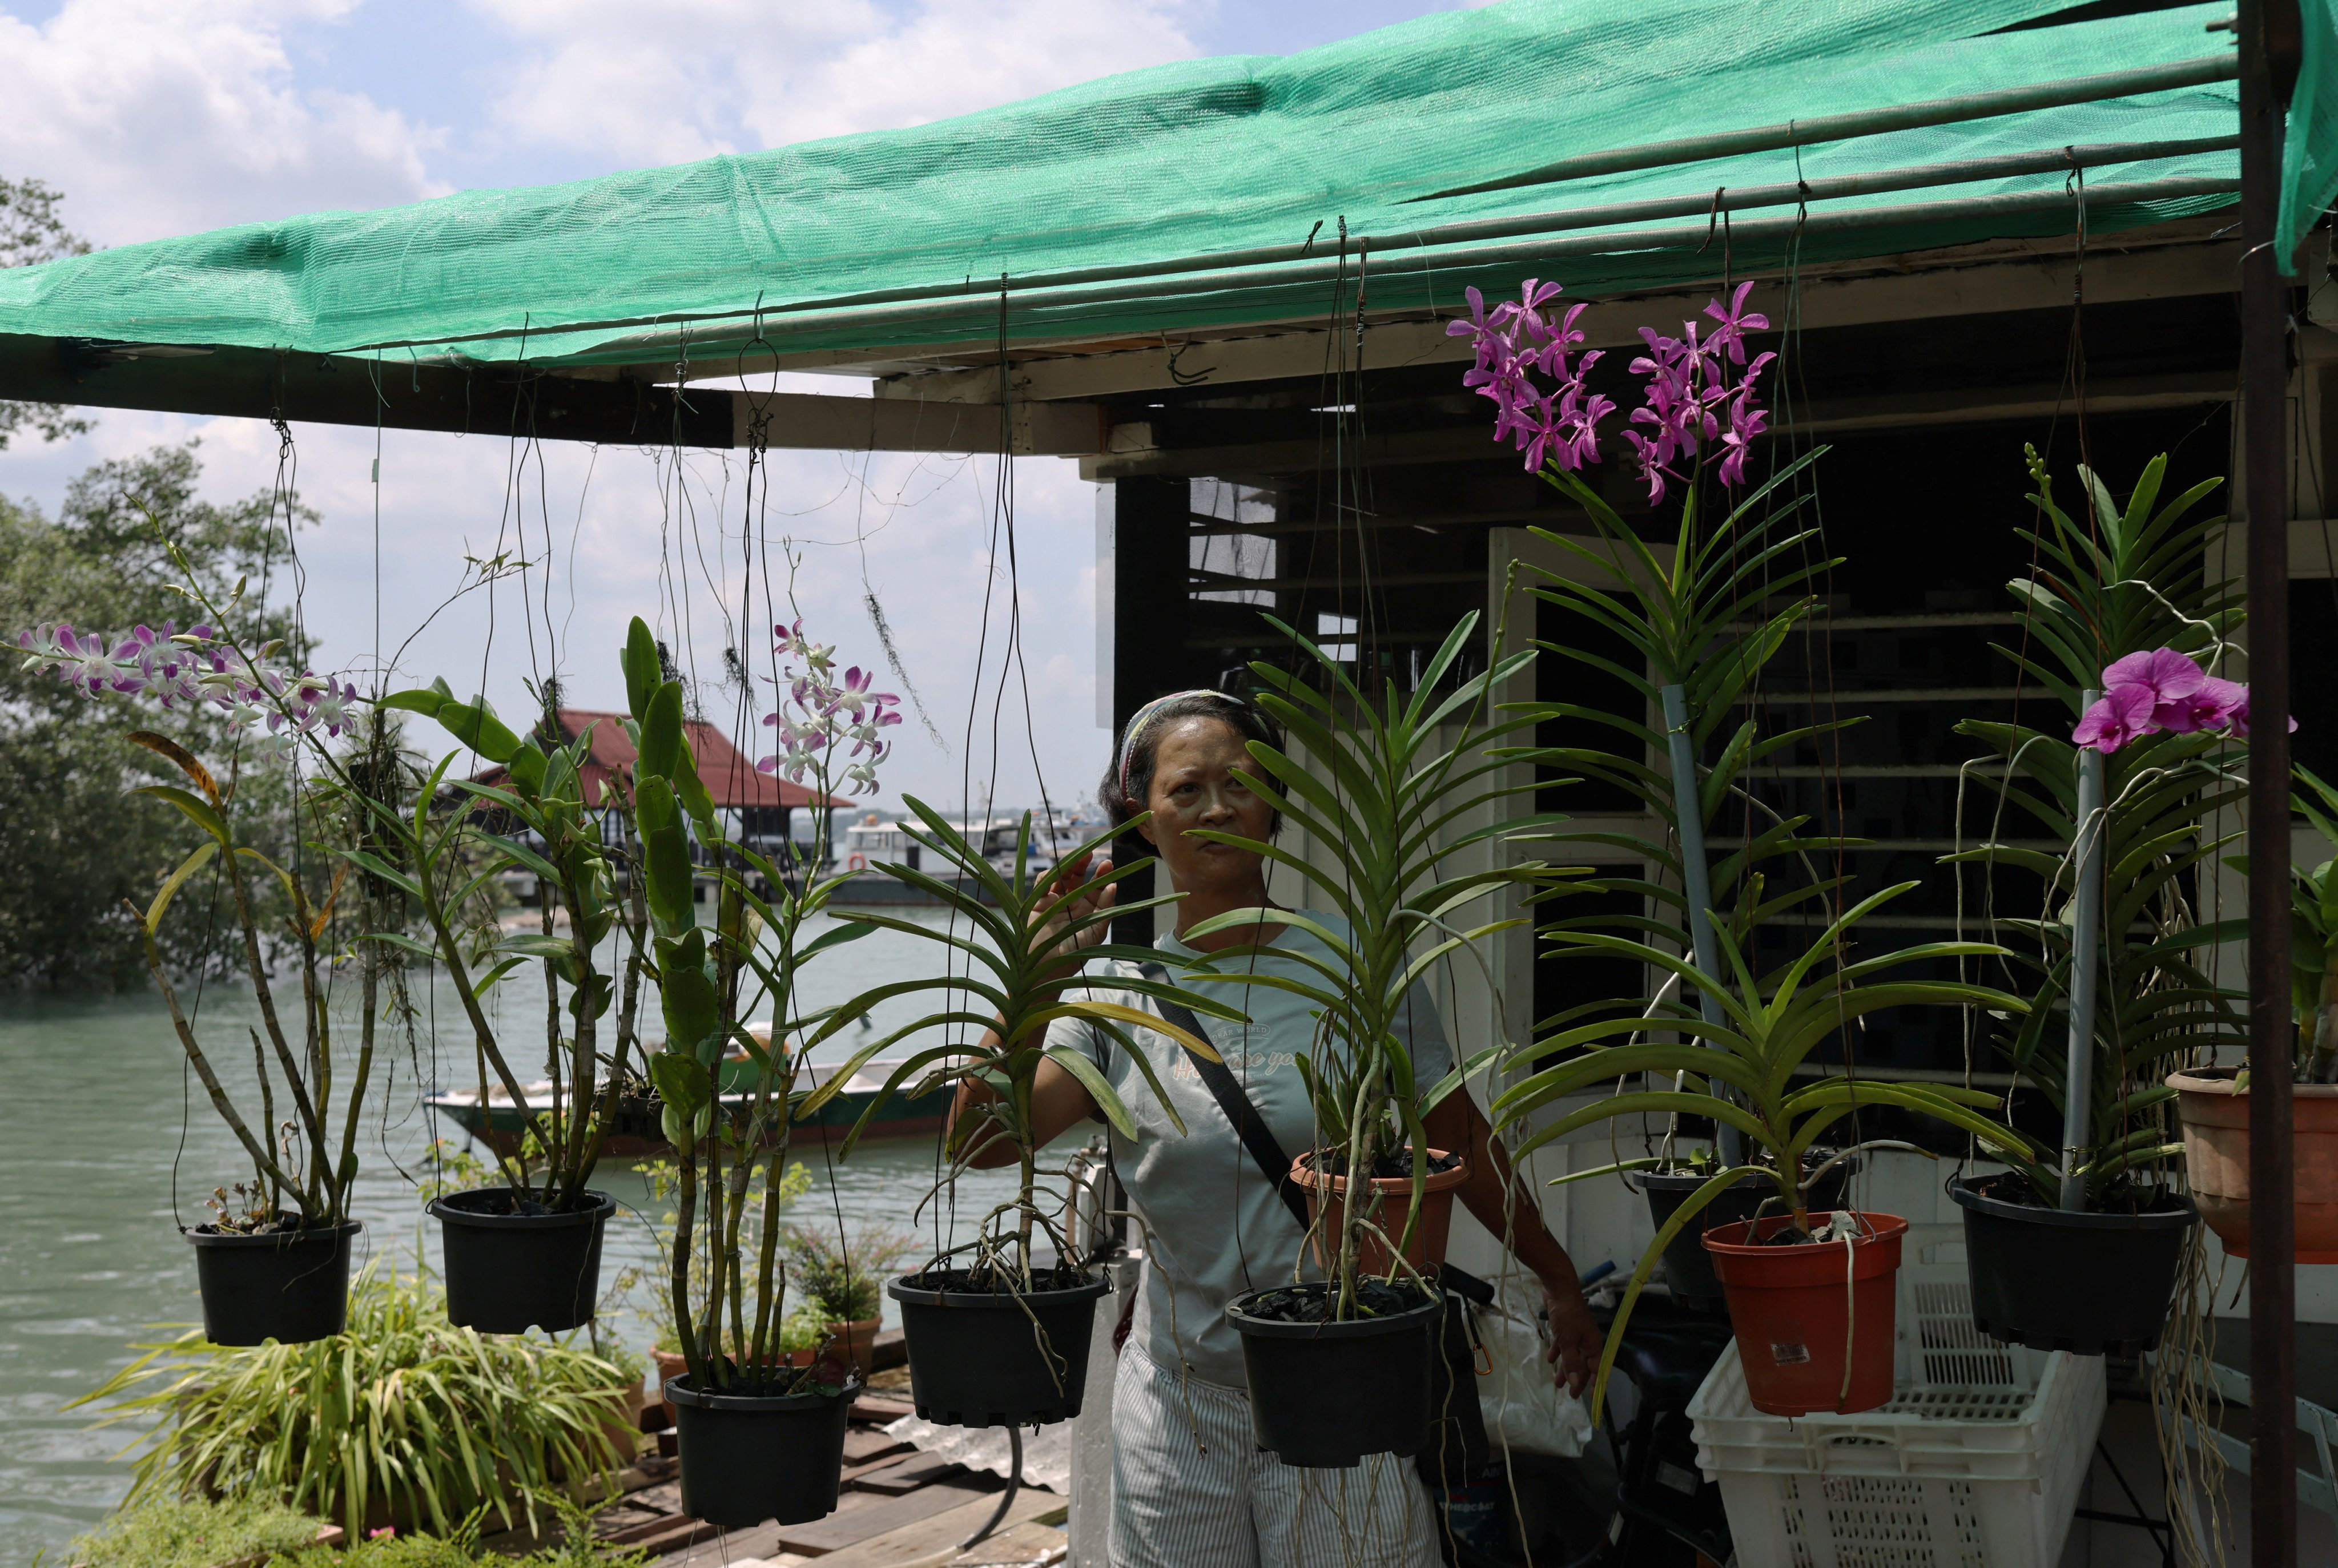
512,1263
749,1456
1814,1320
2216,1159
1324,1394
290,1286
981,1355
1391,1198
1688,1267
2096,1283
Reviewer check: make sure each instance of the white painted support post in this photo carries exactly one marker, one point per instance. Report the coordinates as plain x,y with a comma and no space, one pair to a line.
2085,941
1696,881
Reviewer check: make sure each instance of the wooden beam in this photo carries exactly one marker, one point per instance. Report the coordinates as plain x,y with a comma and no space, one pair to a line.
796,419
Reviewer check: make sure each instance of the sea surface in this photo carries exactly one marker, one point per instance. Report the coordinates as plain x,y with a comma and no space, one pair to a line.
111,1145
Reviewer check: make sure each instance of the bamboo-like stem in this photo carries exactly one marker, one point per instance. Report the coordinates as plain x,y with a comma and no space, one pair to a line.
262,1156
685,1210
266,997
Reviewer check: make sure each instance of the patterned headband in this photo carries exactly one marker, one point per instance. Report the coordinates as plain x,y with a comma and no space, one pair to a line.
1144,716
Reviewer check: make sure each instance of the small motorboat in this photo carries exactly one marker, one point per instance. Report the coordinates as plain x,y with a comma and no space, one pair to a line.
636,1132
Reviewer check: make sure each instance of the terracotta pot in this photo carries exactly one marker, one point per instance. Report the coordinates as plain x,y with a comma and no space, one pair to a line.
854,1344
1799,1312
2216,1159
671,1363
1391,1196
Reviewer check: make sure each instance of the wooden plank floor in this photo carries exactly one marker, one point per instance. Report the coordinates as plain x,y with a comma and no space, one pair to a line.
898,1507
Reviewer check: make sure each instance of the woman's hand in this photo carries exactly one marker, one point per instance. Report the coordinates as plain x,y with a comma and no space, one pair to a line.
1576,1341
1055,940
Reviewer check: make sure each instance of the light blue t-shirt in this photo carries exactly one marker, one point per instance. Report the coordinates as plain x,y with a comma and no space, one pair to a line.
1217,1228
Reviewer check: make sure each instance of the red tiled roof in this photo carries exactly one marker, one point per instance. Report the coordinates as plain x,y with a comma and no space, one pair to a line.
730,775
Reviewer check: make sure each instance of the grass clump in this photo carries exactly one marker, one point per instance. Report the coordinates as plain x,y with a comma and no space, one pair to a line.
176,1533
402,1420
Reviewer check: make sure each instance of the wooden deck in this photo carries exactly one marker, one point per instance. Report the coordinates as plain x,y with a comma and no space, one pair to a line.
898,1508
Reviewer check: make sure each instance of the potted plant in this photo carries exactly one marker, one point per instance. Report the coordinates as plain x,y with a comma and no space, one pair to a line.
1388,791
1740,1073
2214,1101
995,1338
760,1438
2080,1252
273,1261
527,1251
840,1284
1702,622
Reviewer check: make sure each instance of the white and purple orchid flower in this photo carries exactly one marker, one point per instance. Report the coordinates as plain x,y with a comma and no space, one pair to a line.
823,711
1700,399
2162,691
197,665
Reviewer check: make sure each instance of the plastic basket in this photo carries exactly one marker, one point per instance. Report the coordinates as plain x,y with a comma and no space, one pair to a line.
1975,1462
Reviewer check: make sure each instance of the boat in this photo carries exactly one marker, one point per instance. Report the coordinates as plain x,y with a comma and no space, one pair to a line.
637,1135
871,842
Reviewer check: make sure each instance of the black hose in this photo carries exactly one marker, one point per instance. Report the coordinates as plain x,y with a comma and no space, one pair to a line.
1005,1498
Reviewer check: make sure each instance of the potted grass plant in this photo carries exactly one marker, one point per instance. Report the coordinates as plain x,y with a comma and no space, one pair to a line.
273,1261
2080,1252
1388,789
996,1336
761,1436
843,1283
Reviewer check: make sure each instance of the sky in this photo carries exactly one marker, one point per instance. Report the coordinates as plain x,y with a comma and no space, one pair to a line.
162,117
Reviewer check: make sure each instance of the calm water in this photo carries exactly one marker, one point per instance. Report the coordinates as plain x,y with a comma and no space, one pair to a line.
102,1166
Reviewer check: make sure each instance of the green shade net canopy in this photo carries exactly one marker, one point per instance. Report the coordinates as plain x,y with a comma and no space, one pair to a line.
1194,159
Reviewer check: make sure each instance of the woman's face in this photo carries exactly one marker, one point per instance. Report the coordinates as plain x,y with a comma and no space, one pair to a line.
1193,786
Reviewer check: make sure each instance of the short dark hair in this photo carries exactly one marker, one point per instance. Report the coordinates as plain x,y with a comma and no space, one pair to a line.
1127,784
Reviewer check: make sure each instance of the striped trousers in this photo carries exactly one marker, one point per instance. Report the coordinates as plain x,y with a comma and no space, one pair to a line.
1191,1489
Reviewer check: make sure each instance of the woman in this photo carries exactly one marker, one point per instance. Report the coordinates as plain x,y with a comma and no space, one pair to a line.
1190,1487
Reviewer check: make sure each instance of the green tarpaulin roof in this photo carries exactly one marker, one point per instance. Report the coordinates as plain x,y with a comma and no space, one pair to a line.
1203,156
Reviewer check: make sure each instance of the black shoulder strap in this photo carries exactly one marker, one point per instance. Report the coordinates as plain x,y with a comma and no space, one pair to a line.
1248,1125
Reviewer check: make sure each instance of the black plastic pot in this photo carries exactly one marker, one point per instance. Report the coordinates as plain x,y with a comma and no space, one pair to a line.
1324,1395
290,1287
1688,1267
746,1458
979,1359
507,1271
2091,1284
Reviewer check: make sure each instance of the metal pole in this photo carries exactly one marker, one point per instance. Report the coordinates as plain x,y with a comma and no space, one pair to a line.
1399,264
2086,939
1697,882
1867,122
2270,43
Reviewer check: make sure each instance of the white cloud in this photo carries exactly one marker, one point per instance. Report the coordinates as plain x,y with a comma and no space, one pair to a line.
162,117
650,85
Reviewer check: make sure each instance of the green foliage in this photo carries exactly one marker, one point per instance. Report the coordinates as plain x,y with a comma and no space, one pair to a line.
1011,989
192,1532
30,232
1389,798
72,845
2128,580
1703,619
461,1548
402,1419
844,1283
442,860
2313,937
638,1285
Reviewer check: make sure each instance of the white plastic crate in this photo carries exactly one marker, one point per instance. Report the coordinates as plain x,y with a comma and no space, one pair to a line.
1975,1462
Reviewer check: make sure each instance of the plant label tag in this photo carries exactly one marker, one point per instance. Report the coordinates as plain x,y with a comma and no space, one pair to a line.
1786,1355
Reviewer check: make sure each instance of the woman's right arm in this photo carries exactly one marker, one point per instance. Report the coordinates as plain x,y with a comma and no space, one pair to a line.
1058,1101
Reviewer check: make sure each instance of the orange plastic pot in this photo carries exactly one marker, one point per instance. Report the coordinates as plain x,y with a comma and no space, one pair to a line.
1392,1197
1803,1314
2216,1159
